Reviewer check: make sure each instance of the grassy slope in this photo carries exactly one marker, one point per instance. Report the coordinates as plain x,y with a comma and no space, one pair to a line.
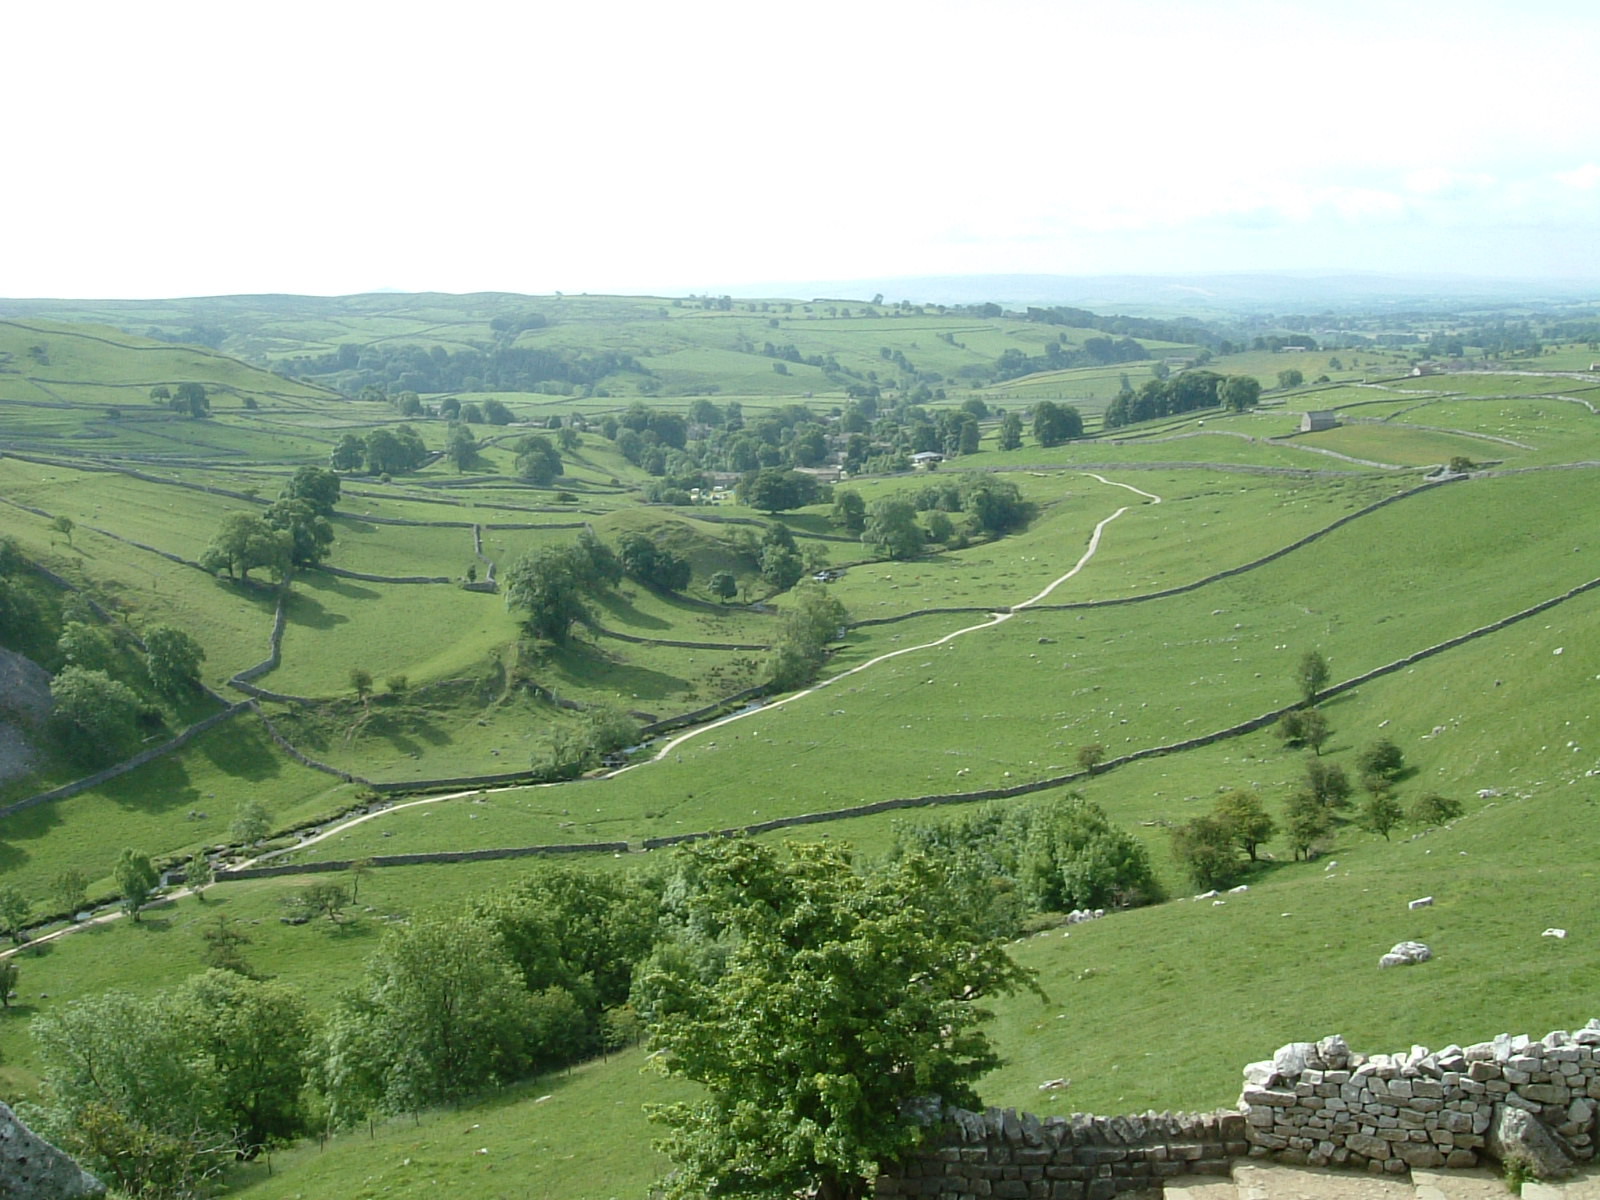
1487,715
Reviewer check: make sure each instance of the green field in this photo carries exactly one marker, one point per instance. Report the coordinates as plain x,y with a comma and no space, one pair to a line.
1187,619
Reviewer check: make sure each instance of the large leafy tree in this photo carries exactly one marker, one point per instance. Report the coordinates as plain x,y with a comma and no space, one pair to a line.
551,586
253,1035
1056,423
97,713
172,659
812,1003
317,486
244,541
891,528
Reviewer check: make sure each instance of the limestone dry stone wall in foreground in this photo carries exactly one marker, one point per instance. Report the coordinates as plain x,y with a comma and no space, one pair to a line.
1318,1103
1315,1103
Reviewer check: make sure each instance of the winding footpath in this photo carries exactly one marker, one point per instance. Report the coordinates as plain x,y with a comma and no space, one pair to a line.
995,618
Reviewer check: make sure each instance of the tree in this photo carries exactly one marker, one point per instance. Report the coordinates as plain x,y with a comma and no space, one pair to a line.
191,397
496,413
774,489
84,645
1380,764
10,973
172,659
891,528
1380,813
127,1096
644,559
199,874
724,586
1306,822
1091,756
1245,820
1240,393
461,447
440,1013
244,541
538,460
325,897
63,525
252,1036
849,511
223,939
96,712
349,454
136,878
550,586
1304,727
361,683
995,505
1011,431
814,619
358,870
831,1001
1055,423
1328,783
1290,378
14,912
1205,848
317,486
1311,674
251,824
69,891
1433,809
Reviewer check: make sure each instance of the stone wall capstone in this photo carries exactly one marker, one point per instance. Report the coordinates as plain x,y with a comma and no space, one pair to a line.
1318,1103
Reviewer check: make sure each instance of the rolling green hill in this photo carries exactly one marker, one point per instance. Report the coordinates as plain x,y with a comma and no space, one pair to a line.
1224,546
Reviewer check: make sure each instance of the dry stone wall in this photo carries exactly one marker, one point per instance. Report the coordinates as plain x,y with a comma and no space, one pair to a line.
1319,1103
1017,1156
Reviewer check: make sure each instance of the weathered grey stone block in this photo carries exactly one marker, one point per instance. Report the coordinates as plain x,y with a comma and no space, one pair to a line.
32,1169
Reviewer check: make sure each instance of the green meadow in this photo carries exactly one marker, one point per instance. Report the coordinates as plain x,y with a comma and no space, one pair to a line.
1187,619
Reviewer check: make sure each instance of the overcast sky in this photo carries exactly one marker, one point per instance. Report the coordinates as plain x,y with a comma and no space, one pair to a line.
165,149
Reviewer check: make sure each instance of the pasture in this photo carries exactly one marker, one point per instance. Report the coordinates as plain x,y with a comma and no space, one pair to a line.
1188,619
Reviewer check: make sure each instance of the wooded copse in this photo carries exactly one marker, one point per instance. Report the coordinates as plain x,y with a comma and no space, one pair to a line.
567,964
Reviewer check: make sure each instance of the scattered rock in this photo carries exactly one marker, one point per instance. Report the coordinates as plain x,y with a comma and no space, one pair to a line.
32,1169
1555,933
1405,954
1425,902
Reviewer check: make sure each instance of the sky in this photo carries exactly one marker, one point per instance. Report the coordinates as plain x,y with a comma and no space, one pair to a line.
179,149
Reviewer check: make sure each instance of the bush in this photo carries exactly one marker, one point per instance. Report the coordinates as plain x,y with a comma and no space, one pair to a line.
1434,809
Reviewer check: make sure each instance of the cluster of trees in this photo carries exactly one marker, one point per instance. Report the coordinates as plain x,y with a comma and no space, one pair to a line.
383,451
394,368
990,506
293,531
157,1093
101,675
553,586
813,620
1012,861
1187,391
187,399
1215,848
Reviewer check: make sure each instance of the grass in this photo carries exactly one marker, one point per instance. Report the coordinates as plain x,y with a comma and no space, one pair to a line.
1209,987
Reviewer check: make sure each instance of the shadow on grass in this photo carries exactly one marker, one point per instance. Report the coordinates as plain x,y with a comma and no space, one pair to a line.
344,588
579,670
622,612
309,612
245,752
158,786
